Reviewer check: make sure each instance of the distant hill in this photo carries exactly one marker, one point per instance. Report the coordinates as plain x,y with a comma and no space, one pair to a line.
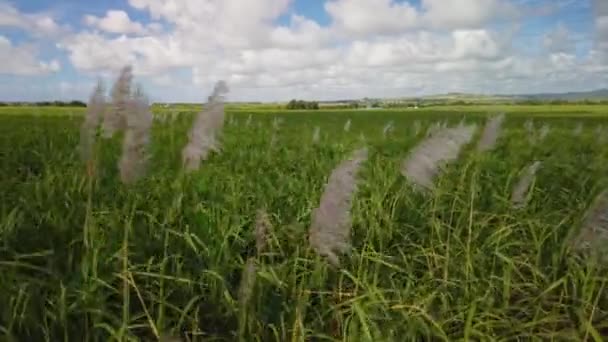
600,94
594,95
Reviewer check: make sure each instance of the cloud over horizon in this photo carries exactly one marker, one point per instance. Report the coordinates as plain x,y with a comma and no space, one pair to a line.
271,50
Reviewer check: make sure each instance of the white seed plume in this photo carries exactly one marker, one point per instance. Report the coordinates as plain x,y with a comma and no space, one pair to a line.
417,127
132,163
160,118
544,131
388,128
248,122
316,135
206,129
347,126
329,233
174,116
276,123
115,119
599,133
578,129
427,158
490,134
529,126
247,284
462,122
362,137
262,230
273,139
594,231
519,194
433,128
95,111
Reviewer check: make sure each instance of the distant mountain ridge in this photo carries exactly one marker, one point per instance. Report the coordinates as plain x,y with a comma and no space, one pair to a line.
593,95
599,94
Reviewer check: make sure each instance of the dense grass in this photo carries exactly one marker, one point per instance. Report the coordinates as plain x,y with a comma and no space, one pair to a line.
87,258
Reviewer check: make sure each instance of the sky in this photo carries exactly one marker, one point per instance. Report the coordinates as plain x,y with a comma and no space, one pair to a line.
276,50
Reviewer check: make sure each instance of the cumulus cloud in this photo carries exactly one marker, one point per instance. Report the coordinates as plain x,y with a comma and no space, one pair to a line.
39,24
459,14
365,17
150,54
115,21
22,60
372,48
559,39
370,17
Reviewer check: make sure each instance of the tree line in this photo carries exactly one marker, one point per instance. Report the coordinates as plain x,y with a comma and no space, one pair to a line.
300,104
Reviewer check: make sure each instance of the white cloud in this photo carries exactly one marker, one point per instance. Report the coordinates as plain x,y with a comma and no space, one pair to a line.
559,40
22,60
115,21
369,48
461,14
364,17
301,32
38,23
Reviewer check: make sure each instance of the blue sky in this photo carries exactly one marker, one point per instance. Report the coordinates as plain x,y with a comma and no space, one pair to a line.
270,50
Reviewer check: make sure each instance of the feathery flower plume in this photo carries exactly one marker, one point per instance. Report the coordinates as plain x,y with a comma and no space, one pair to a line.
519,194
417,127
490,134
247,284
276,123
132,164
594,231
95,111
578,129
273,139
207,126
388,128
544,131
347,126
329,232
248,122
529,126
599,132
433,128
262,230
362,137
174,116
316,135
426,159
115,119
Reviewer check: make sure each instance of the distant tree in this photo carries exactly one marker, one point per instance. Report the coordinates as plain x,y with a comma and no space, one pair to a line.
291,104
300,104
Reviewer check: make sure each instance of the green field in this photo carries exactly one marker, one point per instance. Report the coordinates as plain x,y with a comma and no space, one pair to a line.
90,259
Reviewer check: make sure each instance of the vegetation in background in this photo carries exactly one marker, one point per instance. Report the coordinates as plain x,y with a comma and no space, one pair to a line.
301,104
